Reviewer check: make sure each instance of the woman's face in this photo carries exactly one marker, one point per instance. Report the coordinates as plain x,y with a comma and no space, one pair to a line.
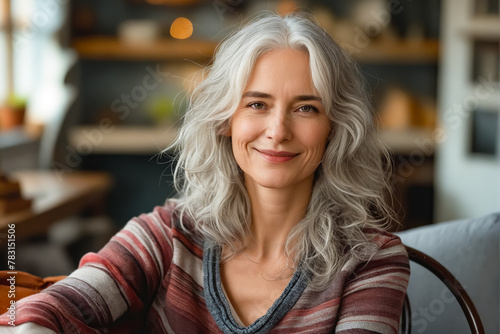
280,129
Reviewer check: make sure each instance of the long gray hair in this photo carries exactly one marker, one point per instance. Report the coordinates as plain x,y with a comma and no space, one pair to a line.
348,196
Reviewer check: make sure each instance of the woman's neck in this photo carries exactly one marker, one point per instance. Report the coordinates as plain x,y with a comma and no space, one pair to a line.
274,213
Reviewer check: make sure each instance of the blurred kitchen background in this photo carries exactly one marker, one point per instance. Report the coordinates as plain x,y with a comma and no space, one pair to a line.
91,93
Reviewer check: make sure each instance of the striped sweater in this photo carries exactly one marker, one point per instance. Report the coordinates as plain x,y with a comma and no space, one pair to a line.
170,282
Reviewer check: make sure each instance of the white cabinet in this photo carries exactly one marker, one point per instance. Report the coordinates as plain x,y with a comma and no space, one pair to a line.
467,175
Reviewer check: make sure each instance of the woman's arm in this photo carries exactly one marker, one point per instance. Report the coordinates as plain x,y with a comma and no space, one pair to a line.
373,298
122,277
26,328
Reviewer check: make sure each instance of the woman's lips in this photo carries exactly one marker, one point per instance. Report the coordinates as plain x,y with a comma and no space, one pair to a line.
277,156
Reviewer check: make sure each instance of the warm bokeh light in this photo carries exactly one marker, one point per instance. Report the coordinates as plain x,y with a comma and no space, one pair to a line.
181,28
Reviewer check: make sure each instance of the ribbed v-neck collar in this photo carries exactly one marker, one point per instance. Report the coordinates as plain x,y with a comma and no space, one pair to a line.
219,306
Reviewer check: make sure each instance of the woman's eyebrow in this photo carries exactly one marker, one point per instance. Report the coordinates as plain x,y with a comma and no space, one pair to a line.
269,96
308,98
252,93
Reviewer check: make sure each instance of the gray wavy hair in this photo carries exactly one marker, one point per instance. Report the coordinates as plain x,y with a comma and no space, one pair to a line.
348,195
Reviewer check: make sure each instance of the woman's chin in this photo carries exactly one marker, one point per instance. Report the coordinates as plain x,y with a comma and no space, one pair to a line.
276,181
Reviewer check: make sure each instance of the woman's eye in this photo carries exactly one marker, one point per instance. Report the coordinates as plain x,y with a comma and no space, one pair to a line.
307,109
257,105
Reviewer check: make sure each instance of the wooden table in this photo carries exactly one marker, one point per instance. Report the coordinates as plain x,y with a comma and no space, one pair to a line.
54,197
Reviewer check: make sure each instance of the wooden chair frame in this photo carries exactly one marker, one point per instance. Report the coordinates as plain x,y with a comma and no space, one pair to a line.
473,318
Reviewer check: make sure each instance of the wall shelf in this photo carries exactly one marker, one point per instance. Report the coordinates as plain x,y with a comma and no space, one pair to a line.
133,140
485,27
112,48
414,141
400,52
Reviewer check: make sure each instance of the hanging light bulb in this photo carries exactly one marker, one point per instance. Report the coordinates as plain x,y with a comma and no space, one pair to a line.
181,28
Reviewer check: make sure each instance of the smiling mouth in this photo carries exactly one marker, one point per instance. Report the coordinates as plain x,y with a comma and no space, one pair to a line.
278,154
275,156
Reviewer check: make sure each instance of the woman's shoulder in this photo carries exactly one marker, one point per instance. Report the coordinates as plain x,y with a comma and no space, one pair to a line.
386,247
383,257
169,218
383,239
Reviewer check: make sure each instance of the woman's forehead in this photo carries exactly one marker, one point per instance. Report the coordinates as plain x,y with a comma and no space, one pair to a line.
286,68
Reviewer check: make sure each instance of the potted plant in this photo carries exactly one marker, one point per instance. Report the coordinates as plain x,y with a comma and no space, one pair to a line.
12,112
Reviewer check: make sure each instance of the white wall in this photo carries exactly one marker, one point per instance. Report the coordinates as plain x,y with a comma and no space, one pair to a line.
466,185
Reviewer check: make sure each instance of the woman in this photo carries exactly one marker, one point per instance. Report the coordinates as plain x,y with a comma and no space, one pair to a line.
279,223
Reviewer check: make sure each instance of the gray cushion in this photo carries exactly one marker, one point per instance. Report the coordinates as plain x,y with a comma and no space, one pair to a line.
470,250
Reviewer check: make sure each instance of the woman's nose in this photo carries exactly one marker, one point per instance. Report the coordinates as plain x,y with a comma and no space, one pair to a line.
279,126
